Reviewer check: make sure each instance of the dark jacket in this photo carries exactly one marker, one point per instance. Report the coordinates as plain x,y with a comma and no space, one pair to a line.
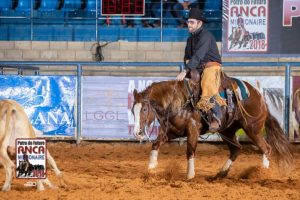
201,48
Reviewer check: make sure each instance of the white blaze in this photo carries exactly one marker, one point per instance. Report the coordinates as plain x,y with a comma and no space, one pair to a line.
137,110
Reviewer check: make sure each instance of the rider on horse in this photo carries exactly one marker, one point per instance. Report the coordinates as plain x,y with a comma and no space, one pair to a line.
202,55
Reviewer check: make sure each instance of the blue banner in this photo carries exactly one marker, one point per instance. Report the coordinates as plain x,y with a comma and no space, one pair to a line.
49,101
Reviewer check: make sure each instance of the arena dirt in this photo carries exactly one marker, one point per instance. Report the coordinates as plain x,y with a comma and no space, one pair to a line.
95,170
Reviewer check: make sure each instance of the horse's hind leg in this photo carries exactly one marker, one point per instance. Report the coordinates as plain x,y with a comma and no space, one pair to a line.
8,167
41,182
254,132
57,172
234,146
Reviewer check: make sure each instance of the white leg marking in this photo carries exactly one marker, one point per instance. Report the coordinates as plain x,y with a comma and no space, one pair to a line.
137,111
40,186
47,182
8,179
266,162
191,168
52,163
227,165
8,167
153,159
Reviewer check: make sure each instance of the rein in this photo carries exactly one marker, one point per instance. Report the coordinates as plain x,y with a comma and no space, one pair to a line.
155,117
227,139
243,111
239,104
163,120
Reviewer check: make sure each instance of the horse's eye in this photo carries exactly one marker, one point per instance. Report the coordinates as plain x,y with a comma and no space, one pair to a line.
144,109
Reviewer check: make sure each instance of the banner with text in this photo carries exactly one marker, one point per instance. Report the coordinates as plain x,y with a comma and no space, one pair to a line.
49,101
107,103
261,28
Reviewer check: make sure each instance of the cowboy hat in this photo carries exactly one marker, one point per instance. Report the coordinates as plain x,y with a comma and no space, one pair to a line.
196,13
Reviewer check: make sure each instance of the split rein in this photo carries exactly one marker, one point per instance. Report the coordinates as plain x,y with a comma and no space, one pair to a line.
156,117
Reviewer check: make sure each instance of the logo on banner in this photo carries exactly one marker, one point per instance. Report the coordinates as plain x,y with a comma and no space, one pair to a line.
291,9
31,158
247,25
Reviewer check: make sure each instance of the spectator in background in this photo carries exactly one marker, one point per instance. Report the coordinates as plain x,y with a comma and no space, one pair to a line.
148,14
182,7
168,6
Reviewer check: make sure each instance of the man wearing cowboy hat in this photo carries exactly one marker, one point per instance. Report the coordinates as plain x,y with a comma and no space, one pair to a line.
202,54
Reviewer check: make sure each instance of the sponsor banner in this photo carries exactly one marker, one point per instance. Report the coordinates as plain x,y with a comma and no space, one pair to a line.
31,158
295,111
247,25
261,28
107,103
272,88
49,101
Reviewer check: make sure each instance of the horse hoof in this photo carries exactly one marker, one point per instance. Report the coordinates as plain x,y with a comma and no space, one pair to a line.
5,188
221,174
152,166
210,178
190,176
40,187
218,176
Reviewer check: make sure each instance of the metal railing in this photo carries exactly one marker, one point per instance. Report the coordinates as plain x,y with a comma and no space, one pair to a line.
31,16
79,73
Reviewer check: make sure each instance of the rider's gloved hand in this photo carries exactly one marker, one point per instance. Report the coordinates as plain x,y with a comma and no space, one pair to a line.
181,76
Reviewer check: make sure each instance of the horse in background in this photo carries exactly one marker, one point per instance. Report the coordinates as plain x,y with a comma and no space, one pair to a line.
296,113
170,103
14,124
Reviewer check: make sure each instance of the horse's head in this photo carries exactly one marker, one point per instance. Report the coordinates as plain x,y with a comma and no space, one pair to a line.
143,115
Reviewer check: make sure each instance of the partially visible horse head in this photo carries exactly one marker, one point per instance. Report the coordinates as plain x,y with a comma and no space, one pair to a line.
143,113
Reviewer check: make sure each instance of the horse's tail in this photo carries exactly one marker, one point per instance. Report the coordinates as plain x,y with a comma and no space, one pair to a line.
281,147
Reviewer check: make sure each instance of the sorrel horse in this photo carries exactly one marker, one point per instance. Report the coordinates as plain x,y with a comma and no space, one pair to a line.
169,102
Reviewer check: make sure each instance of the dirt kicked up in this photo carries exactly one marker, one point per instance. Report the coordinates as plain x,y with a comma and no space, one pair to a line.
119,171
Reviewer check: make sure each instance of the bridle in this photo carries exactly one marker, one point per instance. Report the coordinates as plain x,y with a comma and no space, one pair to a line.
146,102
148,135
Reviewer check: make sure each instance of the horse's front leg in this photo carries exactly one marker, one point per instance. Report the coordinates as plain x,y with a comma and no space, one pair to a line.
192,141
161,139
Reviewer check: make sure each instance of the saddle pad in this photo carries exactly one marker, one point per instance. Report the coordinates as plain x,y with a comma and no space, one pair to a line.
240,89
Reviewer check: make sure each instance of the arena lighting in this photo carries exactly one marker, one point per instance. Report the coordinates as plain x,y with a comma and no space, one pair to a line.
291,9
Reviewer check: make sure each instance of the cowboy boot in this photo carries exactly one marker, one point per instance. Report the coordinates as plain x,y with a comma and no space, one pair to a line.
216,115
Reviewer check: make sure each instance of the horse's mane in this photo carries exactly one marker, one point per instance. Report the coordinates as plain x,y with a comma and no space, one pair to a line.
166,93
